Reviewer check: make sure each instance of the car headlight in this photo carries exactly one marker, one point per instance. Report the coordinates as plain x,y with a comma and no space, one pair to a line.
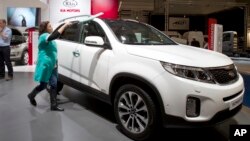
194,73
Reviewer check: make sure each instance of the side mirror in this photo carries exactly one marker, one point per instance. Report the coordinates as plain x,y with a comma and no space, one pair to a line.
94,41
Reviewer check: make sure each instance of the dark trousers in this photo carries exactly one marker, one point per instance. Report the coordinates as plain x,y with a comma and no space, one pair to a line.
5,60
52,82
53,92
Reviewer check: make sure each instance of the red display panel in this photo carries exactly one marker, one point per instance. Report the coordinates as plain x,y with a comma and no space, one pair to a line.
108,7
30,50
211,23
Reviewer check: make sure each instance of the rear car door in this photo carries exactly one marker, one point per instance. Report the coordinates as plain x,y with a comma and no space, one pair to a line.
68,53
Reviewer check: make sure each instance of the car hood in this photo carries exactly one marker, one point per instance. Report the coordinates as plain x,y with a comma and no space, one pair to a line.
181,54
17,37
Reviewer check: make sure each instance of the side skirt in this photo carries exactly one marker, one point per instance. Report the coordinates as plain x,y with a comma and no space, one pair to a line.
84,88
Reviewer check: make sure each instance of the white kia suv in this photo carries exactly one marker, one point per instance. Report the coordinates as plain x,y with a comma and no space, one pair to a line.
149,79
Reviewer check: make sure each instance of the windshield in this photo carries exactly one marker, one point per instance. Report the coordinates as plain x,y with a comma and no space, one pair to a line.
136,33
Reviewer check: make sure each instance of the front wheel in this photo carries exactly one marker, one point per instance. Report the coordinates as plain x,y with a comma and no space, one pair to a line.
135,112
24,58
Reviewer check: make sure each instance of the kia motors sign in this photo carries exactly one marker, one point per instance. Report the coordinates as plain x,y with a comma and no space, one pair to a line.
61,9
70,3
178,23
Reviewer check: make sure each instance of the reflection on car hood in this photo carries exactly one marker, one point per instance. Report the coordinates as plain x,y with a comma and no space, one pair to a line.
181,54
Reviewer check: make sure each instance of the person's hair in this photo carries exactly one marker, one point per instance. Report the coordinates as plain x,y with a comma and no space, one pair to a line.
43,27
3,20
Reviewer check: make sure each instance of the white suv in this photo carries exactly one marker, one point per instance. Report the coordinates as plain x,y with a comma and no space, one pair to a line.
19,47
149,79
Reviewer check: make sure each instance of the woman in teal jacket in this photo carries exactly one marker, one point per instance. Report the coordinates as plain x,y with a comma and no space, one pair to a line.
46,67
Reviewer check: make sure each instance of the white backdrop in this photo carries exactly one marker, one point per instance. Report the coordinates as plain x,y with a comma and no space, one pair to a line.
34,47
218,37
60,9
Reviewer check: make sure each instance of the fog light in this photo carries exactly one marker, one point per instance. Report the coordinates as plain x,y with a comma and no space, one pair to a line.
193,107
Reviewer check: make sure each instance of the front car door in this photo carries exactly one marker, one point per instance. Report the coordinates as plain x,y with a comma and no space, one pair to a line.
94,59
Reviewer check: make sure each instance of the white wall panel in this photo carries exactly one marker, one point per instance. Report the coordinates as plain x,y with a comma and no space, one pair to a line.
61,9
2,16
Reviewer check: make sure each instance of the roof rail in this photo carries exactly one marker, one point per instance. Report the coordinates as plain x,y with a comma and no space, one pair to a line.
74,17
89,17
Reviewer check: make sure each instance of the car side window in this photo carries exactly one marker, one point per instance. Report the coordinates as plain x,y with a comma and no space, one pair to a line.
93,29
71,33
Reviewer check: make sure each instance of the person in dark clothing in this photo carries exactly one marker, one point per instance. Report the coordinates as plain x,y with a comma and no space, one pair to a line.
195,43
23,23
5,39
46,67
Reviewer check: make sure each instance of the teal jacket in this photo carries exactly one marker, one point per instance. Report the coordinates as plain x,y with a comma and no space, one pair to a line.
46,60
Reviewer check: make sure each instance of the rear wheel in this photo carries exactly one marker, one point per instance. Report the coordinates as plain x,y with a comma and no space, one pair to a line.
135,112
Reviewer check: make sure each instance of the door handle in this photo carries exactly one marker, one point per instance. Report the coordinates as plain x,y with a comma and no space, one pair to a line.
76,53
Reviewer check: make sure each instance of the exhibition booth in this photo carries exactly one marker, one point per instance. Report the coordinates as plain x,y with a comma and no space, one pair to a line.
25,16
123,79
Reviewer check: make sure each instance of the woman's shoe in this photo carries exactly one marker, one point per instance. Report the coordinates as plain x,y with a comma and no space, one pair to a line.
56,108
32,100
32,96
53,101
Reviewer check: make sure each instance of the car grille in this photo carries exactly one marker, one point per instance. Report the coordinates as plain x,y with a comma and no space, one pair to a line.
224,75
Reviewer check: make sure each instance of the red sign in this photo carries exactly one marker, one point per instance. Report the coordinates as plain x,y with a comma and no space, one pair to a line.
108,7
211,23
30,46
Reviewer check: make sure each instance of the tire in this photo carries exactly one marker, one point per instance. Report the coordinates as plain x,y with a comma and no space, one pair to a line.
137,125
25,58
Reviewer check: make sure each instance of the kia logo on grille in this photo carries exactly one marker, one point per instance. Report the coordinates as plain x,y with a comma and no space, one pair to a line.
231,74
70,3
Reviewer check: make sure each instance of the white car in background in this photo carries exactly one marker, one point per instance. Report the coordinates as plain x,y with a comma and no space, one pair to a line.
19,47
149,79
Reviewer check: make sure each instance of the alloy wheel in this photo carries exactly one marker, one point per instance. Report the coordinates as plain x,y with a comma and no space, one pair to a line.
133,112
25,58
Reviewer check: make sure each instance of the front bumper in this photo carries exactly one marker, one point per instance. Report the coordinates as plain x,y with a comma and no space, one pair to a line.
16,55
220,117
217,102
